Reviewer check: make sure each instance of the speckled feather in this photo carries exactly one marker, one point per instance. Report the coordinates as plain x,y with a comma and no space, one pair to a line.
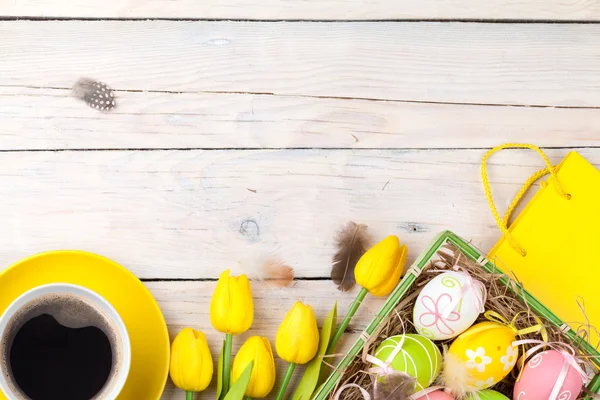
96,94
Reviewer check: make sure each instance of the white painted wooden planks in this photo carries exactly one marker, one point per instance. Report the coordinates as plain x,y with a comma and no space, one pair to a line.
300,9
51,119
191,214
526,64
186,304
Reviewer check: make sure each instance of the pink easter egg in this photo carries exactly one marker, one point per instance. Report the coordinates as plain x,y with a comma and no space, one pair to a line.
541,373
437,395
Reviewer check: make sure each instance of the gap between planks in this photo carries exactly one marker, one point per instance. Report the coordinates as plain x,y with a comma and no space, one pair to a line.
328,10
29,18
306,96
167,149
297,278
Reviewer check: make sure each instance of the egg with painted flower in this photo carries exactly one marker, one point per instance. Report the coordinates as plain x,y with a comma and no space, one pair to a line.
543,371
448,305
417,356
480,357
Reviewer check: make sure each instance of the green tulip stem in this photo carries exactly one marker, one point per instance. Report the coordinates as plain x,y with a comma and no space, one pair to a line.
227,363
189,395
286,381
342,328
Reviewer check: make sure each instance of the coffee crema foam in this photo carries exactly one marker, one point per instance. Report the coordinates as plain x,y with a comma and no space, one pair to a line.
71,311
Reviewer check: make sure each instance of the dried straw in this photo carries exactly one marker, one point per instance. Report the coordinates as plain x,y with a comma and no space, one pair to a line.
500,298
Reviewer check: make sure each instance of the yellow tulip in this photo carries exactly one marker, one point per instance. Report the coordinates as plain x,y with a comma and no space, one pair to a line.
231,307
297,339
380,268
191,363
262,379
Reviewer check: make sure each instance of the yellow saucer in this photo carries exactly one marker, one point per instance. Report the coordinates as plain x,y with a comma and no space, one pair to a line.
145,323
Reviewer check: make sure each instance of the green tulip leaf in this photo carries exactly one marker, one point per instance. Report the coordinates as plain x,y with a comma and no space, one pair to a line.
310,379
220,372
328,329
238,390
325,366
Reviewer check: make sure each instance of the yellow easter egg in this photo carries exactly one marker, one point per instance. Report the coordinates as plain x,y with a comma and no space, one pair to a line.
486,354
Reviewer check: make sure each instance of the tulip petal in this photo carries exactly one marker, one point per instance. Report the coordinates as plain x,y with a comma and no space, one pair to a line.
297,339
191,365
258,350
231,307
380,268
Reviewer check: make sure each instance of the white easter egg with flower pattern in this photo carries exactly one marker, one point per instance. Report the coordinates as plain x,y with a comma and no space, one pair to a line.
448,305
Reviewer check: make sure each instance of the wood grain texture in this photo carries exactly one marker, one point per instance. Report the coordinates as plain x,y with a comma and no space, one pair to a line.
191,214
223,91
524,64
51,119
298,9
186,304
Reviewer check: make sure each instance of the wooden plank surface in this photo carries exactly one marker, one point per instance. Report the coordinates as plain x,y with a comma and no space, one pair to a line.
52,119
187,304
383,123
522,64
187,214
299,9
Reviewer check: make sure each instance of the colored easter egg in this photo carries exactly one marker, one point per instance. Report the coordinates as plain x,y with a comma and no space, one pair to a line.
448,305
437,395
484,354
541,373
419,357
488,395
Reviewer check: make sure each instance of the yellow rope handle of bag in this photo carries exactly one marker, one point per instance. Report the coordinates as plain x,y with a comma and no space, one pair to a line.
503,222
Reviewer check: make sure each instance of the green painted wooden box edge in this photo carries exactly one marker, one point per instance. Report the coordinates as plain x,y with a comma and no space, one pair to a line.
405,284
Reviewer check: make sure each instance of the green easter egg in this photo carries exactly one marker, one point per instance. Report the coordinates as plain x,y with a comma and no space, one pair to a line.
488,395
419,357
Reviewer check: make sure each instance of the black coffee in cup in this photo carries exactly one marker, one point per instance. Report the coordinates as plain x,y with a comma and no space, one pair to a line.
74,363
60,347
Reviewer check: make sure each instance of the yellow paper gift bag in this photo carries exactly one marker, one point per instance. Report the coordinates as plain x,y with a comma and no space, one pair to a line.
553,247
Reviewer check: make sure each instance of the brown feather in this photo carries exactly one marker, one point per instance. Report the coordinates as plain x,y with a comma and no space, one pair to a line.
351,242
263,266
277,273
